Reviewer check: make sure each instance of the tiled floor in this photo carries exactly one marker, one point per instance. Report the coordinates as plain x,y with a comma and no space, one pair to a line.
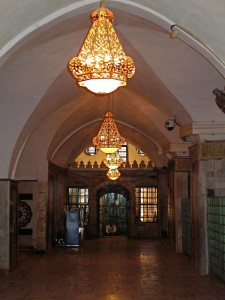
112,269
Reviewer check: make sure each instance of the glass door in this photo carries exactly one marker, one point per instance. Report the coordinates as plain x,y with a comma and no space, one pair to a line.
115,210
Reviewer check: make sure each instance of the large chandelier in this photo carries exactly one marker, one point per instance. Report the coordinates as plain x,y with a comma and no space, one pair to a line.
113,174
101,65
108,139
113,160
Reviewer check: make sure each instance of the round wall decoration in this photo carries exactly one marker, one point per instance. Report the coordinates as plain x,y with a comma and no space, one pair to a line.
24,214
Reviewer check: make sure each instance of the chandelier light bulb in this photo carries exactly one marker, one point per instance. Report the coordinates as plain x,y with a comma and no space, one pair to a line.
101,65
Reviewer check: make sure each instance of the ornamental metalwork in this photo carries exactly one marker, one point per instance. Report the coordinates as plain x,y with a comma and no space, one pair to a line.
113,160
102,56
24,214
108,139
113,174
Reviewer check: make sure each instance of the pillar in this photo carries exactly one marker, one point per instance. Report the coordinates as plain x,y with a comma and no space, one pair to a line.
132,211
207,179
178,189
42,216
8,225
163,203
92,228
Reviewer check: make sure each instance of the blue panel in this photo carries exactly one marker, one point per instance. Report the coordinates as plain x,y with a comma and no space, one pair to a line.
72,228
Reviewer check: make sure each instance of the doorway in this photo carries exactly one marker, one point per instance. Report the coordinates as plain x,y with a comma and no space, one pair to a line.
113,205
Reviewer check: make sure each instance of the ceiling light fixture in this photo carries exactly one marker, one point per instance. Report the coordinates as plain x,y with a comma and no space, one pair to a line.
113,174
113,160
108,139
102,65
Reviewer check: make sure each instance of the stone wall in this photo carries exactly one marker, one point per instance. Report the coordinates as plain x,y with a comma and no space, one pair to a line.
8,225
207,180
27,232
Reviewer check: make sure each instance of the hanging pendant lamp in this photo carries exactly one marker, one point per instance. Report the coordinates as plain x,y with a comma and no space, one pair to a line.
113,174
113,160
108,139
102,65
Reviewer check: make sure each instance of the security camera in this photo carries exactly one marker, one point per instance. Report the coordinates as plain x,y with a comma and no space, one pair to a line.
170,124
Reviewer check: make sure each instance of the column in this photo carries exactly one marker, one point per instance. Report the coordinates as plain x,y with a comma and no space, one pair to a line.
179,189
42,216
163,203
92,228
207,179
8,225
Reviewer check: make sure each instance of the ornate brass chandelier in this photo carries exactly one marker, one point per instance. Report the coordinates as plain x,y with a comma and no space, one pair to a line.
113,174
113,160
108,139
102,65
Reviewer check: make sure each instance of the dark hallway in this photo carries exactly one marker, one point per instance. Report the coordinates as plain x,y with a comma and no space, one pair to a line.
113,268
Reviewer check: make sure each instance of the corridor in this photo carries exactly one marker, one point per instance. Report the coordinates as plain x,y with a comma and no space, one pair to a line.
112,269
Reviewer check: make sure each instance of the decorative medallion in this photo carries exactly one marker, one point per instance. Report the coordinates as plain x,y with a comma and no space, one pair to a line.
24,214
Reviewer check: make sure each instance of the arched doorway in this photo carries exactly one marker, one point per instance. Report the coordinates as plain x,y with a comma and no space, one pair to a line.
113,205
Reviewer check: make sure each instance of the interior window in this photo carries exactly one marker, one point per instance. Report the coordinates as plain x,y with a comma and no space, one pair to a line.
78,199
146,204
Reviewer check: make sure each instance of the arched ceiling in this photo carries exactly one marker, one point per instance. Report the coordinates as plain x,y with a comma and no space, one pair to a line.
203,19
50,118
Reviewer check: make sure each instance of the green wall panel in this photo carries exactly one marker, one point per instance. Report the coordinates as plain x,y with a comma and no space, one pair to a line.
216,236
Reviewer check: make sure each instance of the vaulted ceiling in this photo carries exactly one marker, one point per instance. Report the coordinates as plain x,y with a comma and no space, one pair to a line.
46,116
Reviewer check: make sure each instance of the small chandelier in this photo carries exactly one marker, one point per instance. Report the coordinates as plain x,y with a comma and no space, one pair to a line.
113,160
113,174
102,65
108,139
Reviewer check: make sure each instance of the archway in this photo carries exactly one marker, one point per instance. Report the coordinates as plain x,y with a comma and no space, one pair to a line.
113,205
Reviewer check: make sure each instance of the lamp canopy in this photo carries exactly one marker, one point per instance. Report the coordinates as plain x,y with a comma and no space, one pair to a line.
108,139
102,65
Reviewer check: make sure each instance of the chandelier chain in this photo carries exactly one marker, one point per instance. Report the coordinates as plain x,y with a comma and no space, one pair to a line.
111,95
108,102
